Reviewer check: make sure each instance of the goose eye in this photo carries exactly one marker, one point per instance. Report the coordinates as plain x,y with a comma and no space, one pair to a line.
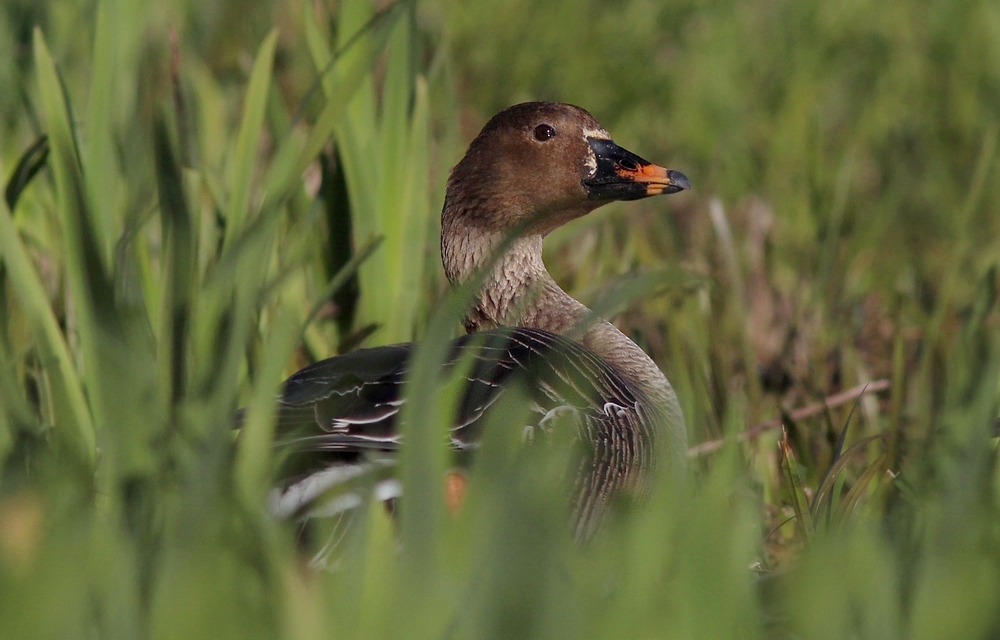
544,132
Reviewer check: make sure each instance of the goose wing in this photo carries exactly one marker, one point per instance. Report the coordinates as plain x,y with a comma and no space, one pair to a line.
339,408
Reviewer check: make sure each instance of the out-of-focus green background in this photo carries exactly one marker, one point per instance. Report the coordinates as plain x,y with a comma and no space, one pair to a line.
227,191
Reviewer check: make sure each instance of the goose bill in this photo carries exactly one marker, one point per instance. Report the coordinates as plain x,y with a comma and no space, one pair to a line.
622,175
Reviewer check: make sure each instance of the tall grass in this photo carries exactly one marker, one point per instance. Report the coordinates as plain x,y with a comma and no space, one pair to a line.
196,205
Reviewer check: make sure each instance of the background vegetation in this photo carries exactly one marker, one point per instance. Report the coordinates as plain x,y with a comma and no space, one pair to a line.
226,191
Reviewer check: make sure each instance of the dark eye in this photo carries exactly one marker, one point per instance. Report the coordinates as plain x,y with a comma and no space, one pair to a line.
544,132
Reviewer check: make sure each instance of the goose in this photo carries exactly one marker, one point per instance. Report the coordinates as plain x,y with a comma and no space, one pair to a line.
533,167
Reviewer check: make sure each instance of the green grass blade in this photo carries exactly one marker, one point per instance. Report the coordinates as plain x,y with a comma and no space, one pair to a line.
83,256
378,576
295,155
397,94
412,228
373,182
180,258
253,455
244,158
875,472
825,493
116,346
319,50
390,165
32,161
103,177
796,491
16,409
424,425
6,428
342,276
71,412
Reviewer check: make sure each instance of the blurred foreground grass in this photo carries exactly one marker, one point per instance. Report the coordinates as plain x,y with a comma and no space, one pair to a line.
191,223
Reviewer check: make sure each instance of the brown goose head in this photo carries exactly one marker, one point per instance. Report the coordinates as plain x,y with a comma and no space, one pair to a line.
542,164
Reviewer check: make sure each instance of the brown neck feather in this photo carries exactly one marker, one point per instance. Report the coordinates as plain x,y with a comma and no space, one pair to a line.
520,293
